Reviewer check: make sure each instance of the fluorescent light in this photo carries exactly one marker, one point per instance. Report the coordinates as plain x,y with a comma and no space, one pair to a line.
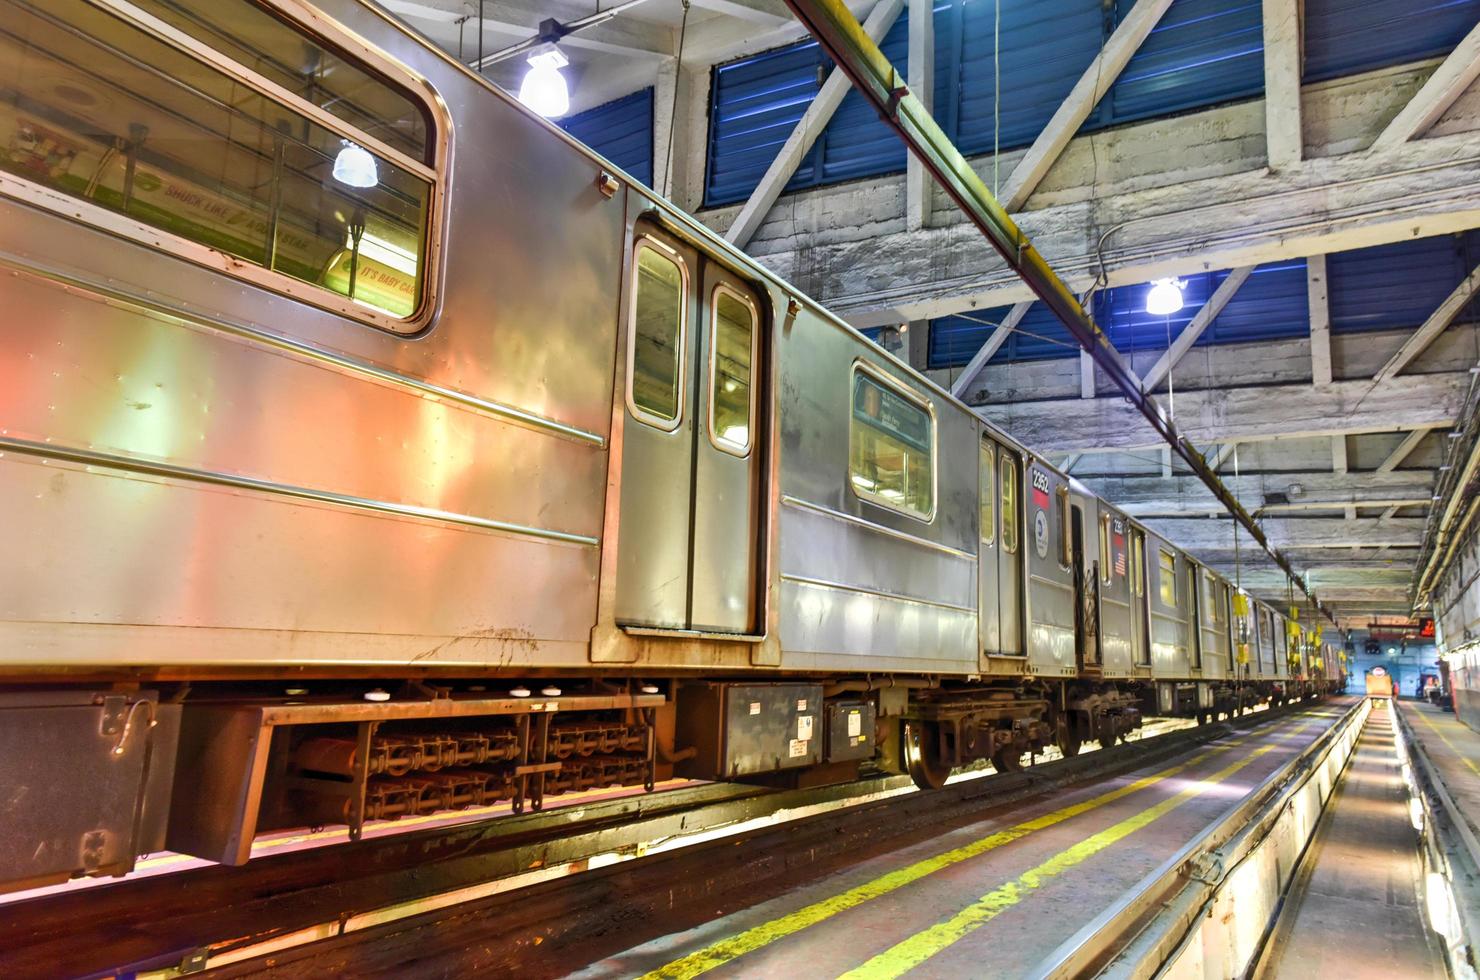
377,249
544,89
1165,297
355,166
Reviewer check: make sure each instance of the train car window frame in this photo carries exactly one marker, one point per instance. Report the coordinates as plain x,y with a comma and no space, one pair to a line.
680,337
1212,589
206,246
716,438
1167,579
865,373
987,483
1007,477
1066,529
1138,564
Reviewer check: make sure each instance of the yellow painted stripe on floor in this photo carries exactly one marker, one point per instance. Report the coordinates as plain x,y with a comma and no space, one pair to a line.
722,952
915,950
1452,747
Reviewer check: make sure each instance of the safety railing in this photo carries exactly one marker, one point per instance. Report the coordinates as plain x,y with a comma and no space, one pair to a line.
1207,910
1449,851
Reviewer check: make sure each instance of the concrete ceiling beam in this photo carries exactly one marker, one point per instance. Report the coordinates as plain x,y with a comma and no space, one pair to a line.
1428,187
1318,490
1244,414
1443,87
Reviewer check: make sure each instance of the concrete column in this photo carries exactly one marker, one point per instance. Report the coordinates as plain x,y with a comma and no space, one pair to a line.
1320,320
1282,37
918,344
922,83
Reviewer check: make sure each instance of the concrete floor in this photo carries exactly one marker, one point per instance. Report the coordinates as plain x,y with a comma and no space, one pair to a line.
990,899
1357,912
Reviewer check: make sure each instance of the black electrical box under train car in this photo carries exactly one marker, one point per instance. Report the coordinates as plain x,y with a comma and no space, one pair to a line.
746,729
850,731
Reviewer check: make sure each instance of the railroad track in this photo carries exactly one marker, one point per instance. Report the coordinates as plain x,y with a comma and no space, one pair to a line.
560,926
332,904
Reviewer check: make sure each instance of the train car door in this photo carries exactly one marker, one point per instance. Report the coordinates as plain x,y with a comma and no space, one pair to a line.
1010,554
989,571
1086,590
726,458
1195,617
1117,594
688,541
1140,614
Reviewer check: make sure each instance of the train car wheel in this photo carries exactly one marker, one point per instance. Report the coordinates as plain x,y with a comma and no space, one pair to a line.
1069,736
1008,759
925,768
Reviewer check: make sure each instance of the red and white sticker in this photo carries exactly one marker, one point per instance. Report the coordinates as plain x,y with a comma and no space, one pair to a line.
1040,489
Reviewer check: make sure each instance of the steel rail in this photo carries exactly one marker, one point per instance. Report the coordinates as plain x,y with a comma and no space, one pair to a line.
851,49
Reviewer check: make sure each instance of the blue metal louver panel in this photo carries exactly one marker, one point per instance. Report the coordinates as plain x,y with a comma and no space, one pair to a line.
1038,337
1270,305
1200,53
1043,48
856,142
1343,37
756,102
621,131
1396,287
754,105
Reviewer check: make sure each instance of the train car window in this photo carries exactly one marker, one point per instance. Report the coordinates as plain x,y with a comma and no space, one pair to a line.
731,357
1009,484
1168,578
1106,559
1215,608
137,116
1138,563
988,481
891,447
655,352
311,70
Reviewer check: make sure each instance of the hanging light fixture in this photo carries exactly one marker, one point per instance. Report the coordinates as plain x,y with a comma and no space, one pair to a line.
355,166
544,89
1165,297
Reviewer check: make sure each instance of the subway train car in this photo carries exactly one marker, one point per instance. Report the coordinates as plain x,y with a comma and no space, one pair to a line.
368,447
1456,604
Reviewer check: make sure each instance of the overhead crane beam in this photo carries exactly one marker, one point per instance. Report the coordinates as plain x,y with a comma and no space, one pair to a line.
843,38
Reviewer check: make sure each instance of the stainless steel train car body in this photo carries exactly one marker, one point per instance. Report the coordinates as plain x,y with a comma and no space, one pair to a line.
216,472
313,489
189,451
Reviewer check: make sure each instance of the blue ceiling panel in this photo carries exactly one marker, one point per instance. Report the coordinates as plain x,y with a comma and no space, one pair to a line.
754,105
1272,304
1038,337
1043,48
621,131
1396,287
1343,37
1200,53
